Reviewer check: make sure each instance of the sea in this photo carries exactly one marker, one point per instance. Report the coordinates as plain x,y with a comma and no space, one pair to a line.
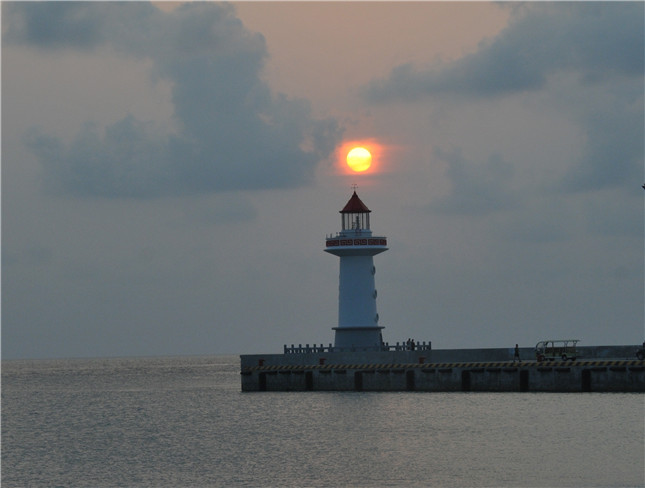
184,422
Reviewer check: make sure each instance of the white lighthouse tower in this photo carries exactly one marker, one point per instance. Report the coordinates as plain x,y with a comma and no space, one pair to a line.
355,245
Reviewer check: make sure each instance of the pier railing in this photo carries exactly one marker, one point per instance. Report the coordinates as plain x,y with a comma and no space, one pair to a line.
314,348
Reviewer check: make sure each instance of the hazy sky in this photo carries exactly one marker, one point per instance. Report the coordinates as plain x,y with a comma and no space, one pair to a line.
169,174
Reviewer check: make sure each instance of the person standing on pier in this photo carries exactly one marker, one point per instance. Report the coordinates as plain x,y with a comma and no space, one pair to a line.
517,354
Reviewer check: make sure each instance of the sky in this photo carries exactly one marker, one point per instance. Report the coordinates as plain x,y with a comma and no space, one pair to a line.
170,173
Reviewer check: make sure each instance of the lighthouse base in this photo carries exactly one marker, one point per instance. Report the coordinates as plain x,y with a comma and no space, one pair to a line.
352,338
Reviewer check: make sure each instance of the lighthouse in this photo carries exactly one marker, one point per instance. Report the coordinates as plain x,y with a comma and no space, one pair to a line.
358,320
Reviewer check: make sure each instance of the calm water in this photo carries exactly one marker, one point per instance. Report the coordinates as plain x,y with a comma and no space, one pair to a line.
183,422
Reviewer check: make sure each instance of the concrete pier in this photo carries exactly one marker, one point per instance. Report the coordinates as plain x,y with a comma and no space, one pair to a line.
599,369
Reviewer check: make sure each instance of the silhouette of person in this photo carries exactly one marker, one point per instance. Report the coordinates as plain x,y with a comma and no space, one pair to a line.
517,354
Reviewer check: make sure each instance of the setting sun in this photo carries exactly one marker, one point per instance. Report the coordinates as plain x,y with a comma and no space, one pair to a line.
359,159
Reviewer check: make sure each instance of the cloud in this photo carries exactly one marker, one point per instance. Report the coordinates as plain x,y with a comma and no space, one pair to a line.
612,119
54,25
477,189
232,131
584,58
597,41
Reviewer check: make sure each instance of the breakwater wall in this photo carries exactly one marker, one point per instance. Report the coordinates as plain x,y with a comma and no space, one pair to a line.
598,369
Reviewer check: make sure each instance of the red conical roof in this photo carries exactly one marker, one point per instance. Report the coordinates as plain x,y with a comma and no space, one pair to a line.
355,205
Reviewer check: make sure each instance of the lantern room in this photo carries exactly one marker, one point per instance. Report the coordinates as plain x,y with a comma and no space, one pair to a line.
356,215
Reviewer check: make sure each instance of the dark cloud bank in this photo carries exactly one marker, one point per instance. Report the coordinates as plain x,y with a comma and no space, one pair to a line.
597,41
597,47
233,133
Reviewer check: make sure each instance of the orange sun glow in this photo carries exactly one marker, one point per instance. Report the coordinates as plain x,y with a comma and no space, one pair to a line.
359,159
